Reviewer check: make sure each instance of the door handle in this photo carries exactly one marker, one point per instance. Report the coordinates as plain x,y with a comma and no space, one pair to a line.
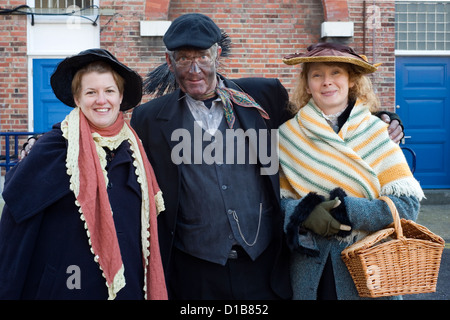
404,138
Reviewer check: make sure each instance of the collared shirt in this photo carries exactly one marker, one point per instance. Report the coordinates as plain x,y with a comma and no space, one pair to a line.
208,118
215,196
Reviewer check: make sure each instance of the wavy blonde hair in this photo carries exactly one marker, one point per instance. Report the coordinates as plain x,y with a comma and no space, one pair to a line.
362,88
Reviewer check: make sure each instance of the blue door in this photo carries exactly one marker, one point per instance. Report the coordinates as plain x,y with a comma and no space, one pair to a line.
423,103
48,110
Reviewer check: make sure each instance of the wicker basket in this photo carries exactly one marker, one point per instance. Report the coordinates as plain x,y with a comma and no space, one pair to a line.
402,259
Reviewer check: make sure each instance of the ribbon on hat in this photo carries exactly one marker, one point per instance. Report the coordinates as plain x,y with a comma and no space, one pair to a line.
240,98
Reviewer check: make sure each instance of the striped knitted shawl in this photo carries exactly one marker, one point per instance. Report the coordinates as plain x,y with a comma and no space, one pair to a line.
361,158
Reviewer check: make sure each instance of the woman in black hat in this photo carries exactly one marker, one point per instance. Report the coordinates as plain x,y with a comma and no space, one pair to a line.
84,225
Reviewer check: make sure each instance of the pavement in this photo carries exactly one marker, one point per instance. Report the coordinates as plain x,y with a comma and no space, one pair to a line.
435,215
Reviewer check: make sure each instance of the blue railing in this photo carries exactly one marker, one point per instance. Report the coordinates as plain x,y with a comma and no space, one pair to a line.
413,158
8,160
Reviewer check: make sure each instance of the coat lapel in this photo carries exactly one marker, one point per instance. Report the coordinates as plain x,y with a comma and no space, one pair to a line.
250,118
170,116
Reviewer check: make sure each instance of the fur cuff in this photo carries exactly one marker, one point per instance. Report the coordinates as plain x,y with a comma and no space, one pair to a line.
340,212
298,238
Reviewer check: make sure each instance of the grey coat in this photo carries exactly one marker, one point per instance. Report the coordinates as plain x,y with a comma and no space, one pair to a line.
364,214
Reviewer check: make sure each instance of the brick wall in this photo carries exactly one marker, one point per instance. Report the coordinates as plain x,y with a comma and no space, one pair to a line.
13,70
120,34
262,32
374,36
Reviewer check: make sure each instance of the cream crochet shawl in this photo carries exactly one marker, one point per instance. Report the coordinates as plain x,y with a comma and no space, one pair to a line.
97,217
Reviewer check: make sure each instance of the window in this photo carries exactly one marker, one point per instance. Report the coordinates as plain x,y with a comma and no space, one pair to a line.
422,25
62,4
47,11
62,27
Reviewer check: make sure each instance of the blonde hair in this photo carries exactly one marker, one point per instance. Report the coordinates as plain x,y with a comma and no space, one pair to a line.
362,88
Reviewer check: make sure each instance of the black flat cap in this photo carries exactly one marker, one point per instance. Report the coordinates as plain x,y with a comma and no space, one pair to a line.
61,79
192,30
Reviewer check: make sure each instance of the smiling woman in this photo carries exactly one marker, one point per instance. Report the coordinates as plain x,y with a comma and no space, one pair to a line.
98,92
329,87
336,160
98,205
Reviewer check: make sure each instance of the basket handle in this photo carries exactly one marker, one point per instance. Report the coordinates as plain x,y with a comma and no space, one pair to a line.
395,216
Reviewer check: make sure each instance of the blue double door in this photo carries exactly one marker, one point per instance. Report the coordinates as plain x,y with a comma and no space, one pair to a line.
423,103
47,109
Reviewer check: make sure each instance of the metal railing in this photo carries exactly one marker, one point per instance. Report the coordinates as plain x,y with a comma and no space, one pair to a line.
8,160
413,158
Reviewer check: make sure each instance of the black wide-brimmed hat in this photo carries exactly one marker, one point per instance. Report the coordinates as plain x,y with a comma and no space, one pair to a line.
61,79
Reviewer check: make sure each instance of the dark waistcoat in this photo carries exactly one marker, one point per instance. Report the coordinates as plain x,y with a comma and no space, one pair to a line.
241,213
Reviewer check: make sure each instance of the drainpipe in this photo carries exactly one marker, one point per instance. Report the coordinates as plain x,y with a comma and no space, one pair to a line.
364,27
373,48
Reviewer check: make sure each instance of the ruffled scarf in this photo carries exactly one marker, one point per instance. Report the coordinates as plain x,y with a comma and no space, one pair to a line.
86,162
361,158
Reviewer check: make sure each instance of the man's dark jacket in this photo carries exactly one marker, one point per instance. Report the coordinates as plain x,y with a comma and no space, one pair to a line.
156,120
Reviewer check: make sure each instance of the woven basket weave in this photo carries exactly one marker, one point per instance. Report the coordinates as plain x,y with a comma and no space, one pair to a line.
402,259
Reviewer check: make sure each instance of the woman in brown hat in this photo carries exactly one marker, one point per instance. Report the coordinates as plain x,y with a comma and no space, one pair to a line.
336,160
84,225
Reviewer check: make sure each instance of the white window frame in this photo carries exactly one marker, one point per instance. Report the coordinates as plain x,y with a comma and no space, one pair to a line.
422,52
60,18
57,37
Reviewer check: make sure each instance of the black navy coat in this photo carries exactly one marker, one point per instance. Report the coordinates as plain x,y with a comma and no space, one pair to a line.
154,123
44,249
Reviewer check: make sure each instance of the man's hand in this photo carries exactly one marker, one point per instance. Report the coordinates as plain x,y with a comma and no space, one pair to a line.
27,146
395,130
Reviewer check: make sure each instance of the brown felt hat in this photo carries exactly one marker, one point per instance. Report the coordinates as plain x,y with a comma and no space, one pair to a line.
331,52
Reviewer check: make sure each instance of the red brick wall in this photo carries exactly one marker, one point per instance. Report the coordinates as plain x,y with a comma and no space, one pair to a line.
377,43
13,70
120,34
335,10
262,32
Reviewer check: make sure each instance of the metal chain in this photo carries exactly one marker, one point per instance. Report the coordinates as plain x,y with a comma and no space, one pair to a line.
235,216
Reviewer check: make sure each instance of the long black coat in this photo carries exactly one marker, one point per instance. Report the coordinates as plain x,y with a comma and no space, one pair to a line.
44,249
154,123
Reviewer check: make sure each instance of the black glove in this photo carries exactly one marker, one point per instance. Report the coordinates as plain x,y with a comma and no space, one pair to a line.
26,148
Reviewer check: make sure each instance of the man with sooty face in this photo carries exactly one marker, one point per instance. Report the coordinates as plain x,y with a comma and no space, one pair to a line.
221,235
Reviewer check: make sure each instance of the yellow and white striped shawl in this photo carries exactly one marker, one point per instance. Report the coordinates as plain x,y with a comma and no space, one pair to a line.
361,158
